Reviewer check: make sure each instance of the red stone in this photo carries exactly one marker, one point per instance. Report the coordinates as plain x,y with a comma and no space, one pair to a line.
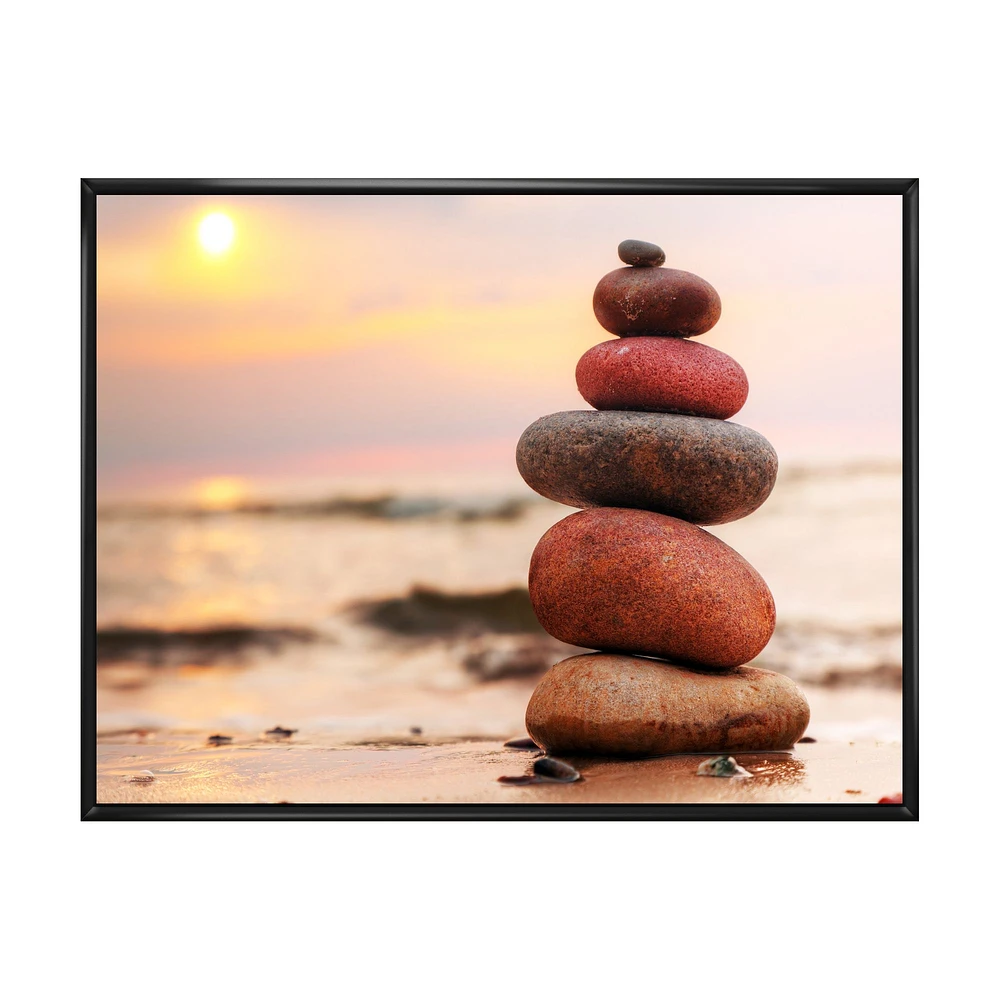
662,374
633,301
633,581
896,799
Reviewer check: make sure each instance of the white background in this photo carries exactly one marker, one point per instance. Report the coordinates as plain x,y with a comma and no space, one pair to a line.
512,910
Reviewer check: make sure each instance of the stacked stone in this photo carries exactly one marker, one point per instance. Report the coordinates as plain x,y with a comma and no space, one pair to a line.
675,613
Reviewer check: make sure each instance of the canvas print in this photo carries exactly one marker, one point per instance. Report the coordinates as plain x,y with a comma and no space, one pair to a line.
509,499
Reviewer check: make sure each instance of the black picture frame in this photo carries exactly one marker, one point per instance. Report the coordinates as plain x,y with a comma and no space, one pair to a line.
91,189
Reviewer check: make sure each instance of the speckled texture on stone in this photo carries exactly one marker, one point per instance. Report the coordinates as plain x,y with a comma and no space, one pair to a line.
702,470
612,705
638,582
662,374
633,301
639,253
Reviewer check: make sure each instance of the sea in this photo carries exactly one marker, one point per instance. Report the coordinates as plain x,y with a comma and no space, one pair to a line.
387,607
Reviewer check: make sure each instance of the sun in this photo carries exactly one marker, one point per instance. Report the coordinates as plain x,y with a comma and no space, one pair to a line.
221,492
216,232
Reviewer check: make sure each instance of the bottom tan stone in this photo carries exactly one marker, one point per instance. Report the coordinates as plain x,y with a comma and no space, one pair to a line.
617,705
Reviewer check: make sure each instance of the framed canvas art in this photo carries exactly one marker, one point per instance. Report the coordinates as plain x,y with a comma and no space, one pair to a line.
499,499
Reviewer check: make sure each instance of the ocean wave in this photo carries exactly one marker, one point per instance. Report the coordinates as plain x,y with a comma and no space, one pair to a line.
869,655
428,612
497,657
389,507
500,636
197,646
794,472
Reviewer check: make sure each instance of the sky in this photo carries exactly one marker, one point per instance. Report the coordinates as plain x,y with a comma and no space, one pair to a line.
387,336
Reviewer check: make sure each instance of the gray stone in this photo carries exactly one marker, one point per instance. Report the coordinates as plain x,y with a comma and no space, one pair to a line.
699,469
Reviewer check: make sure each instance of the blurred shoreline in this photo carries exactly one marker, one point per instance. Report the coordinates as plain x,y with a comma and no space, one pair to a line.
185,584
405,496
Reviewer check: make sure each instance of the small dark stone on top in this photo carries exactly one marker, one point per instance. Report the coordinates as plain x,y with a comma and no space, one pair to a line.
641,254
415,731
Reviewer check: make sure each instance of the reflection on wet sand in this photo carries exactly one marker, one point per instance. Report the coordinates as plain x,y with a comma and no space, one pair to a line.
312,769
786,770
675,778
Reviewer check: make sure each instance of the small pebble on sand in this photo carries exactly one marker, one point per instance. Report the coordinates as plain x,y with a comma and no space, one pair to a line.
524,743
722,767
555,770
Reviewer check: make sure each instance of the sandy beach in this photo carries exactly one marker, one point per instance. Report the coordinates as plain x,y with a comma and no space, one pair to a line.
180,767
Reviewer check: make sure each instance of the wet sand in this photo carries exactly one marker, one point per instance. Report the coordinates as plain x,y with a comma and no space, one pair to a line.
313,766
312,772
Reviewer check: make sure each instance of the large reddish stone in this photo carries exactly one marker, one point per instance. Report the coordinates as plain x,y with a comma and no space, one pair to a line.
638,582
659,300
664,374
704,470
607,704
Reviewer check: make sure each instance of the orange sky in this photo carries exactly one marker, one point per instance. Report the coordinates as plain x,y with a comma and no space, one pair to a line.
382,334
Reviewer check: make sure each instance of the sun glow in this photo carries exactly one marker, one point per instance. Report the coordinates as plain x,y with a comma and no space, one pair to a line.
221,492
216,232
